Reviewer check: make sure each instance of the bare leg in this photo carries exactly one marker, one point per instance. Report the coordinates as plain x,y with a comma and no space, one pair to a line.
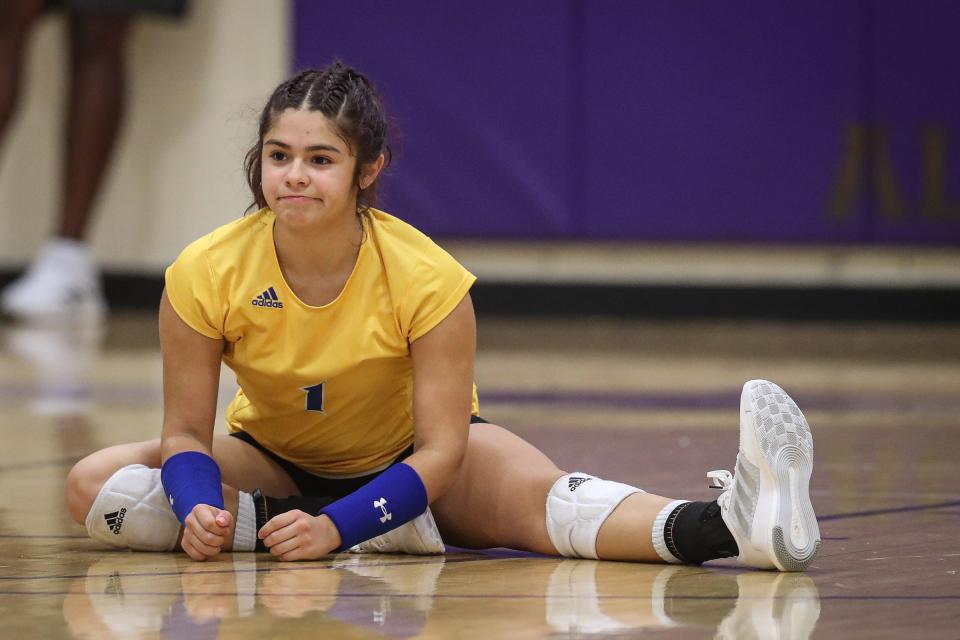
626,535
499,500
16,18
97,43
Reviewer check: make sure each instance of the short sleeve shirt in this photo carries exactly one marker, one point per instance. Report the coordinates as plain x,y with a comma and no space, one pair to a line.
329,388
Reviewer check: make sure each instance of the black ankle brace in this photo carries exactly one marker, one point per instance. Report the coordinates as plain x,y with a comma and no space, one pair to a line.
266,507
695,532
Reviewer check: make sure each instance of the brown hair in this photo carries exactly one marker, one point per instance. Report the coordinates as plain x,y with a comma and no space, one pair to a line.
353,106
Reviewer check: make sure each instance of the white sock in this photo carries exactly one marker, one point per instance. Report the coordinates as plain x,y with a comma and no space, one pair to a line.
68,253
658,525
245,531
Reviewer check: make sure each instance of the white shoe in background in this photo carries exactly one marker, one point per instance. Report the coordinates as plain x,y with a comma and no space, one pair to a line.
62,284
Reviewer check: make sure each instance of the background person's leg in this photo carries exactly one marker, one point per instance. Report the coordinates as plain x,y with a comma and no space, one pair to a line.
94,114
16,18
63,281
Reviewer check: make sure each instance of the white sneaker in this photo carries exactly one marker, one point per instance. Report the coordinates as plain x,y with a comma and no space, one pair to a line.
420,536
61,284
766,503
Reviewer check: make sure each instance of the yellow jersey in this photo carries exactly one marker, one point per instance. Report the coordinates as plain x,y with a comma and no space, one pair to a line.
328,388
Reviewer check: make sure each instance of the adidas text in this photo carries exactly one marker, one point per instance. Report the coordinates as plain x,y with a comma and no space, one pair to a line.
115,520
268,298
276,304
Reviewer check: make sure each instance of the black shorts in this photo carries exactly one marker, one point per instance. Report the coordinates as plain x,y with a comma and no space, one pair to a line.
173,8
313,485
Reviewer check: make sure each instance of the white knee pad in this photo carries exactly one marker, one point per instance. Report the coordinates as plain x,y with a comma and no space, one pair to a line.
577,506
131,511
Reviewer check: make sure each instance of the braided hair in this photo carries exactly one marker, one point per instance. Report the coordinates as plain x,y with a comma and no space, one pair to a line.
351,103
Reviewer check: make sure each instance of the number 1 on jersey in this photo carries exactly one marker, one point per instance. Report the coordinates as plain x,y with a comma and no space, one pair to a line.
315,397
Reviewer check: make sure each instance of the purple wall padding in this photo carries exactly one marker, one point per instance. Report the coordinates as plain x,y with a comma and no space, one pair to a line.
717,127
628,119
915,86
479,95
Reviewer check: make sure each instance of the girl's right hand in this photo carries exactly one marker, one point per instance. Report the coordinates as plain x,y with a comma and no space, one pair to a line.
205,531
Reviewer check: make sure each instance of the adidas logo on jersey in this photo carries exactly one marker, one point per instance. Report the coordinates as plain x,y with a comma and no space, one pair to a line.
267,299
115,520
575,482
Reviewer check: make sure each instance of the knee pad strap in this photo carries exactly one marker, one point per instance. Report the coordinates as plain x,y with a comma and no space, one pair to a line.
577,506
131,511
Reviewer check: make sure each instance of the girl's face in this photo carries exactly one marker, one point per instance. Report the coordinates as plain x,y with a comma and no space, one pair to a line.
307,171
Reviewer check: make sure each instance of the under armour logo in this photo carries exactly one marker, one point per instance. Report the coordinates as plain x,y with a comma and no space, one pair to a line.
382,505
575,482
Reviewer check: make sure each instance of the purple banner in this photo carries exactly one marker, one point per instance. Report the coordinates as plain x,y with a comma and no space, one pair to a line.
626,119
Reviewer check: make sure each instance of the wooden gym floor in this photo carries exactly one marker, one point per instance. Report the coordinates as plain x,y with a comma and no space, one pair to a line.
653,404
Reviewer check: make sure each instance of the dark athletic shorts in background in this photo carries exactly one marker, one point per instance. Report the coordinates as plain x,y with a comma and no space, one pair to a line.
172,8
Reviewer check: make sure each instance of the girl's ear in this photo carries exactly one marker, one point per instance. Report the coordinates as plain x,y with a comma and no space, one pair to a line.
370,171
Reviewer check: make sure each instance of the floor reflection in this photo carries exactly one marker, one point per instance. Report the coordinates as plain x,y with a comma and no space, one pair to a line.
738,605
146,595
58,358
119,597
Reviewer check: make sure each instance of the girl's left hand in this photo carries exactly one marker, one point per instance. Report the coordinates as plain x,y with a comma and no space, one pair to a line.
296,535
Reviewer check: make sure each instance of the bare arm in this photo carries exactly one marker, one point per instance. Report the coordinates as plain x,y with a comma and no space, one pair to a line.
443,362
191,378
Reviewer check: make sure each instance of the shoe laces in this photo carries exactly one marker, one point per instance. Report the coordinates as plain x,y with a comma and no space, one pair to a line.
720,479
723,480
